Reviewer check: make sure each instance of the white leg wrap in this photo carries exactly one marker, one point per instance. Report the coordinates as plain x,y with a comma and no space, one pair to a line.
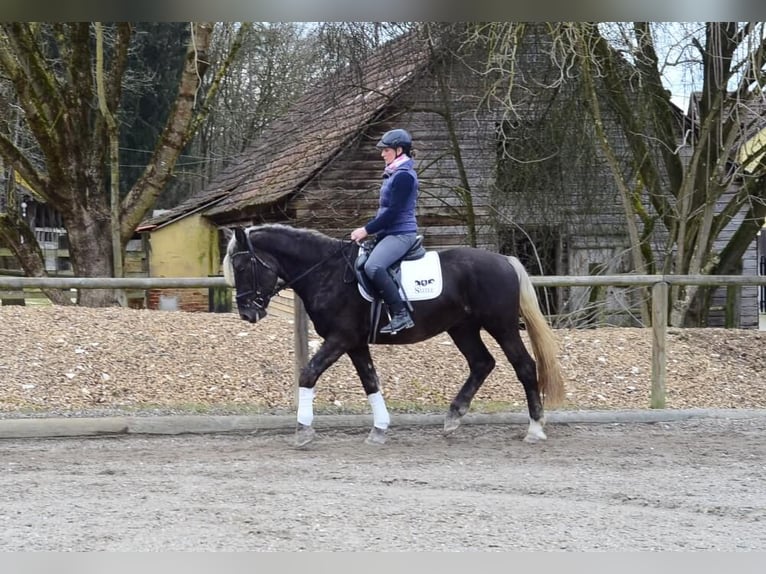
380,416
305,406
535,431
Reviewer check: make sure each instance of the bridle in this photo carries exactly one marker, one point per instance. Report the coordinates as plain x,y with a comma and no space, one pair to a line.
256,297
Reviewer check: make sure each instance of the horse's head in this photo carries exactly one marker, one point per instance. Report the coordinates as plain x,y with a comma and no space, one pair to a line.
253,278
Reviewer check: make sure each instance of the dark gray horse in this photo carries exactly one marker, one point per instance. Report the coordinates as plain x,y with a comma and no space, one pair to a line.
481,290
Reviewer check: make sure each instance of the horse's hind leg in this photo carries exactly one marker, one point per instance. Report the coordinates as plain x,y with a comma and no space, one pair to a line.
467,338
526,370
362,361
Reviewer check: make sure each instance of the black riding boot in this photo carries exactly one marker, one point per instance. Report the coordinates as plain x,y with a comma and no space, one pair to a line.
400,321
390,292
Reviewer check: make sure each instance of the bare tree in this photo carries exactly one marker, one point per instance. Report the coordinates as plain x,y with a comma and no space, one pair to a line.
697,187
682,180
274,66
63,154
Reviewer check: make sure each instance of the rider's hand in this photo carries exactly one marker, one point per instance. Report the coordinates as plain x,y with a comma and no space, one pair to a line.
359,234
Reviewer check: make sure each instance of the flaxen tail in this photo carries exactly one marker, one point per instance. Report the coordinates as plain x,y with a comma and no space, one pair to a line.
544,344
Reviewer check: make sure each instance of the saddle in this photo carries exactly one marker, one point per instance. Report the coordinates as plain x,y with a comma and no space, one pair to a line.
417,251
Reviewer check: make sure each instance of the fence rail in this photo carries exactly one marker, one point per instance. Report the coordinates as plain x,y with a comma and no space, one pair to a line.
659,285
110,282
198,282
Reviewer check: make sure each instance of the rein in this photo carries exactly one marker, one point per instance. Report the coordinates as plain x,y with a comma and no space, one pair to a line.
294,280
260,300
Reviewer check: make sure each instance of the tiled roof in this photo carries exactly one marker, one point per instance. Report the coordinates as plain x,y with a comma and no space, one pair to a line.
293,148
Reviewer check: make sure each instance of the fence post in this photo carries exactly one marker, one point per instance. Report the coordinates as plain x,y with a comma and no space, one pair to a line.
659,332
301,342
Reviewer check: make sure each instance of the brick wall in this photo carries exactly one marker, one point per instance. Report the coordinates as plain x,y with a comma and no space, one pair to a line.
191,300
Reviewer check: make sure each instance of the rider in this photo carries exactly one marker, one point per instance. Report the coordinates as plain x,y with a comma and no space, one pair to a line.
395,224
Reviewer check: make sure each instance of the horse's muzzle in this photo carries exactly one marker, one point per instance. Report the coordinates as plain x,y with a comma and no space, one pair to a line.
252,314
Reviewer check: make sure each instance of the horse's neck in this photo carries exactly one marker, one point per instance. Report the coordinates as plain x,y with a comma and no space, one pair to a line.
293,255
294,262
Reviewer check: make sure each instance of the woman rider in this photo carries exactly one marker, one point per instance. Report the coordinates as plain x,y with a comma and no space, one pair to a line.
394,225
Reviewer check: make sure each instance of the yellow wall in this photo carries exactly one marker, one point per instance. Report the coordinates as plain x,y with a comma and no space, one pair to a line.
185,248
752,150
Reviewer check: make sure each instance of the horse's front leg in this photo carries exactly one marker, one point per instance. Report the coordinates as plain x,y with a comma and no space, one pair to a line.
329,352
362,361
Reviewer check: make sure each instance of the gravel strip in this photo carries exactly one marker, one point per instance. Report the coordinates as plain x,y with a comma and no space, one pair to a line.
80,362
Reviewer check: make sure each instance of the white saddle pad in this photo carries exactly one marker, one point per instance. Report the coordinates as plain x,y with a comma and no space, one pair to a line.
421,279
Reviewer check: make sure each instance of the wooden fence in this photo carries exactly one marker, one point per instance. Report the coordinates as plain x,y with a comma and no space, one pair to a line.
659,285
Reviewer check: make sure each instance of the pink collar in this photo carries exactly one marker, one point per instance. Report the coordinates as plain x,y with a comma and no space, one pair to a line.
394,165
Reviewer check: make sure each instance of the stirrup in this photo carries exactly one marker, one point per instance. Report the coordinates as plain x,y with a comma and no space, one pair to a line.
399,322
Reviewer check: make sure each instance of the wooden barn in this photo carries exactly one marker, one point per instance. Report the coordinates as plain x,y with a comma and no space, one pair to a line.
318,167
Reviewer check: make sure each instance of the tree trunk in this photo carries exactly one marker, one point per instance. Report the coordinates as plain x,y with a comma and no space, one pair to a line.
72,137
90,249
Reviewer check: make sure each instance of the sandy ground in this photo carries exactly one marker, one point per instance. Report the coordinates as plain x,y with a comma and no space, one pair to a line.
693,485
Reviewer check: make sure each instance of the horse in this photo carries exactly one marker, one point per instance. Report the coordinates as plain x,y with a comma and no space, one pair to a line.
481,290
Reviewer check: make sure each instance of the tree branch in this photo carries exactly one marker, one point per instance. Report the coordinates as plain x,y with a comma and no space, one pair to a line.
39,182
175,135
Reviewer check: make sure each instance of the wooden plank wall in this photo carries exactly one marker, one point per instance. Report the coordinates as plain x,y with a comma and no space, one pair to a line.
748,295
345,194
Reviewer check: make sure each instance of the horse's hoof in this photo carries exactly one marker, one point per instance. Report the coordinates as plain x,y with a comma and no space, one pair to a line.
451,422
533,438
535,432
304,434
376,437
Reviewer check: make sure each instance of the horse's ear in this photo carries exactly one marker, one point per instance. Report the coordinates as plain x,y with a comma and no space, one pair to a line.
227,234
239,233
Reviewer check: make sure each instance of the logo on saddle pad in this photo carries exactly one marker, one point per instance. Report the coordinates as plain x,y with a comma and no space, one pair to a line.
420,279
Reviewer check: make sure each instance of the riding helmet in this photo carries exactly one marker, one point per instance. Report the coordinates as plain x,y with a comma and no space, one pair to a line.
396,138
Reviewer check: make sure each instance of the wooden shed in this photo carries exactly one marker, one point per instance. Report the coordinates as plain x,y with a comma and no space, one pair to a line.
186,247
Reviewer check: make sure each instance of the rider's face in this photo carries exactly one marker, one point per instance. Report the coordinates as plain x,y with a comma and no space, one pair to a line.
388,154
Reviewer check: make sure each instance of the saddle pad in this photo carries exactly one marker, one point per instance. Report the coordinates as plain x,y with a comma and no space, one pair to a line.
421,279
